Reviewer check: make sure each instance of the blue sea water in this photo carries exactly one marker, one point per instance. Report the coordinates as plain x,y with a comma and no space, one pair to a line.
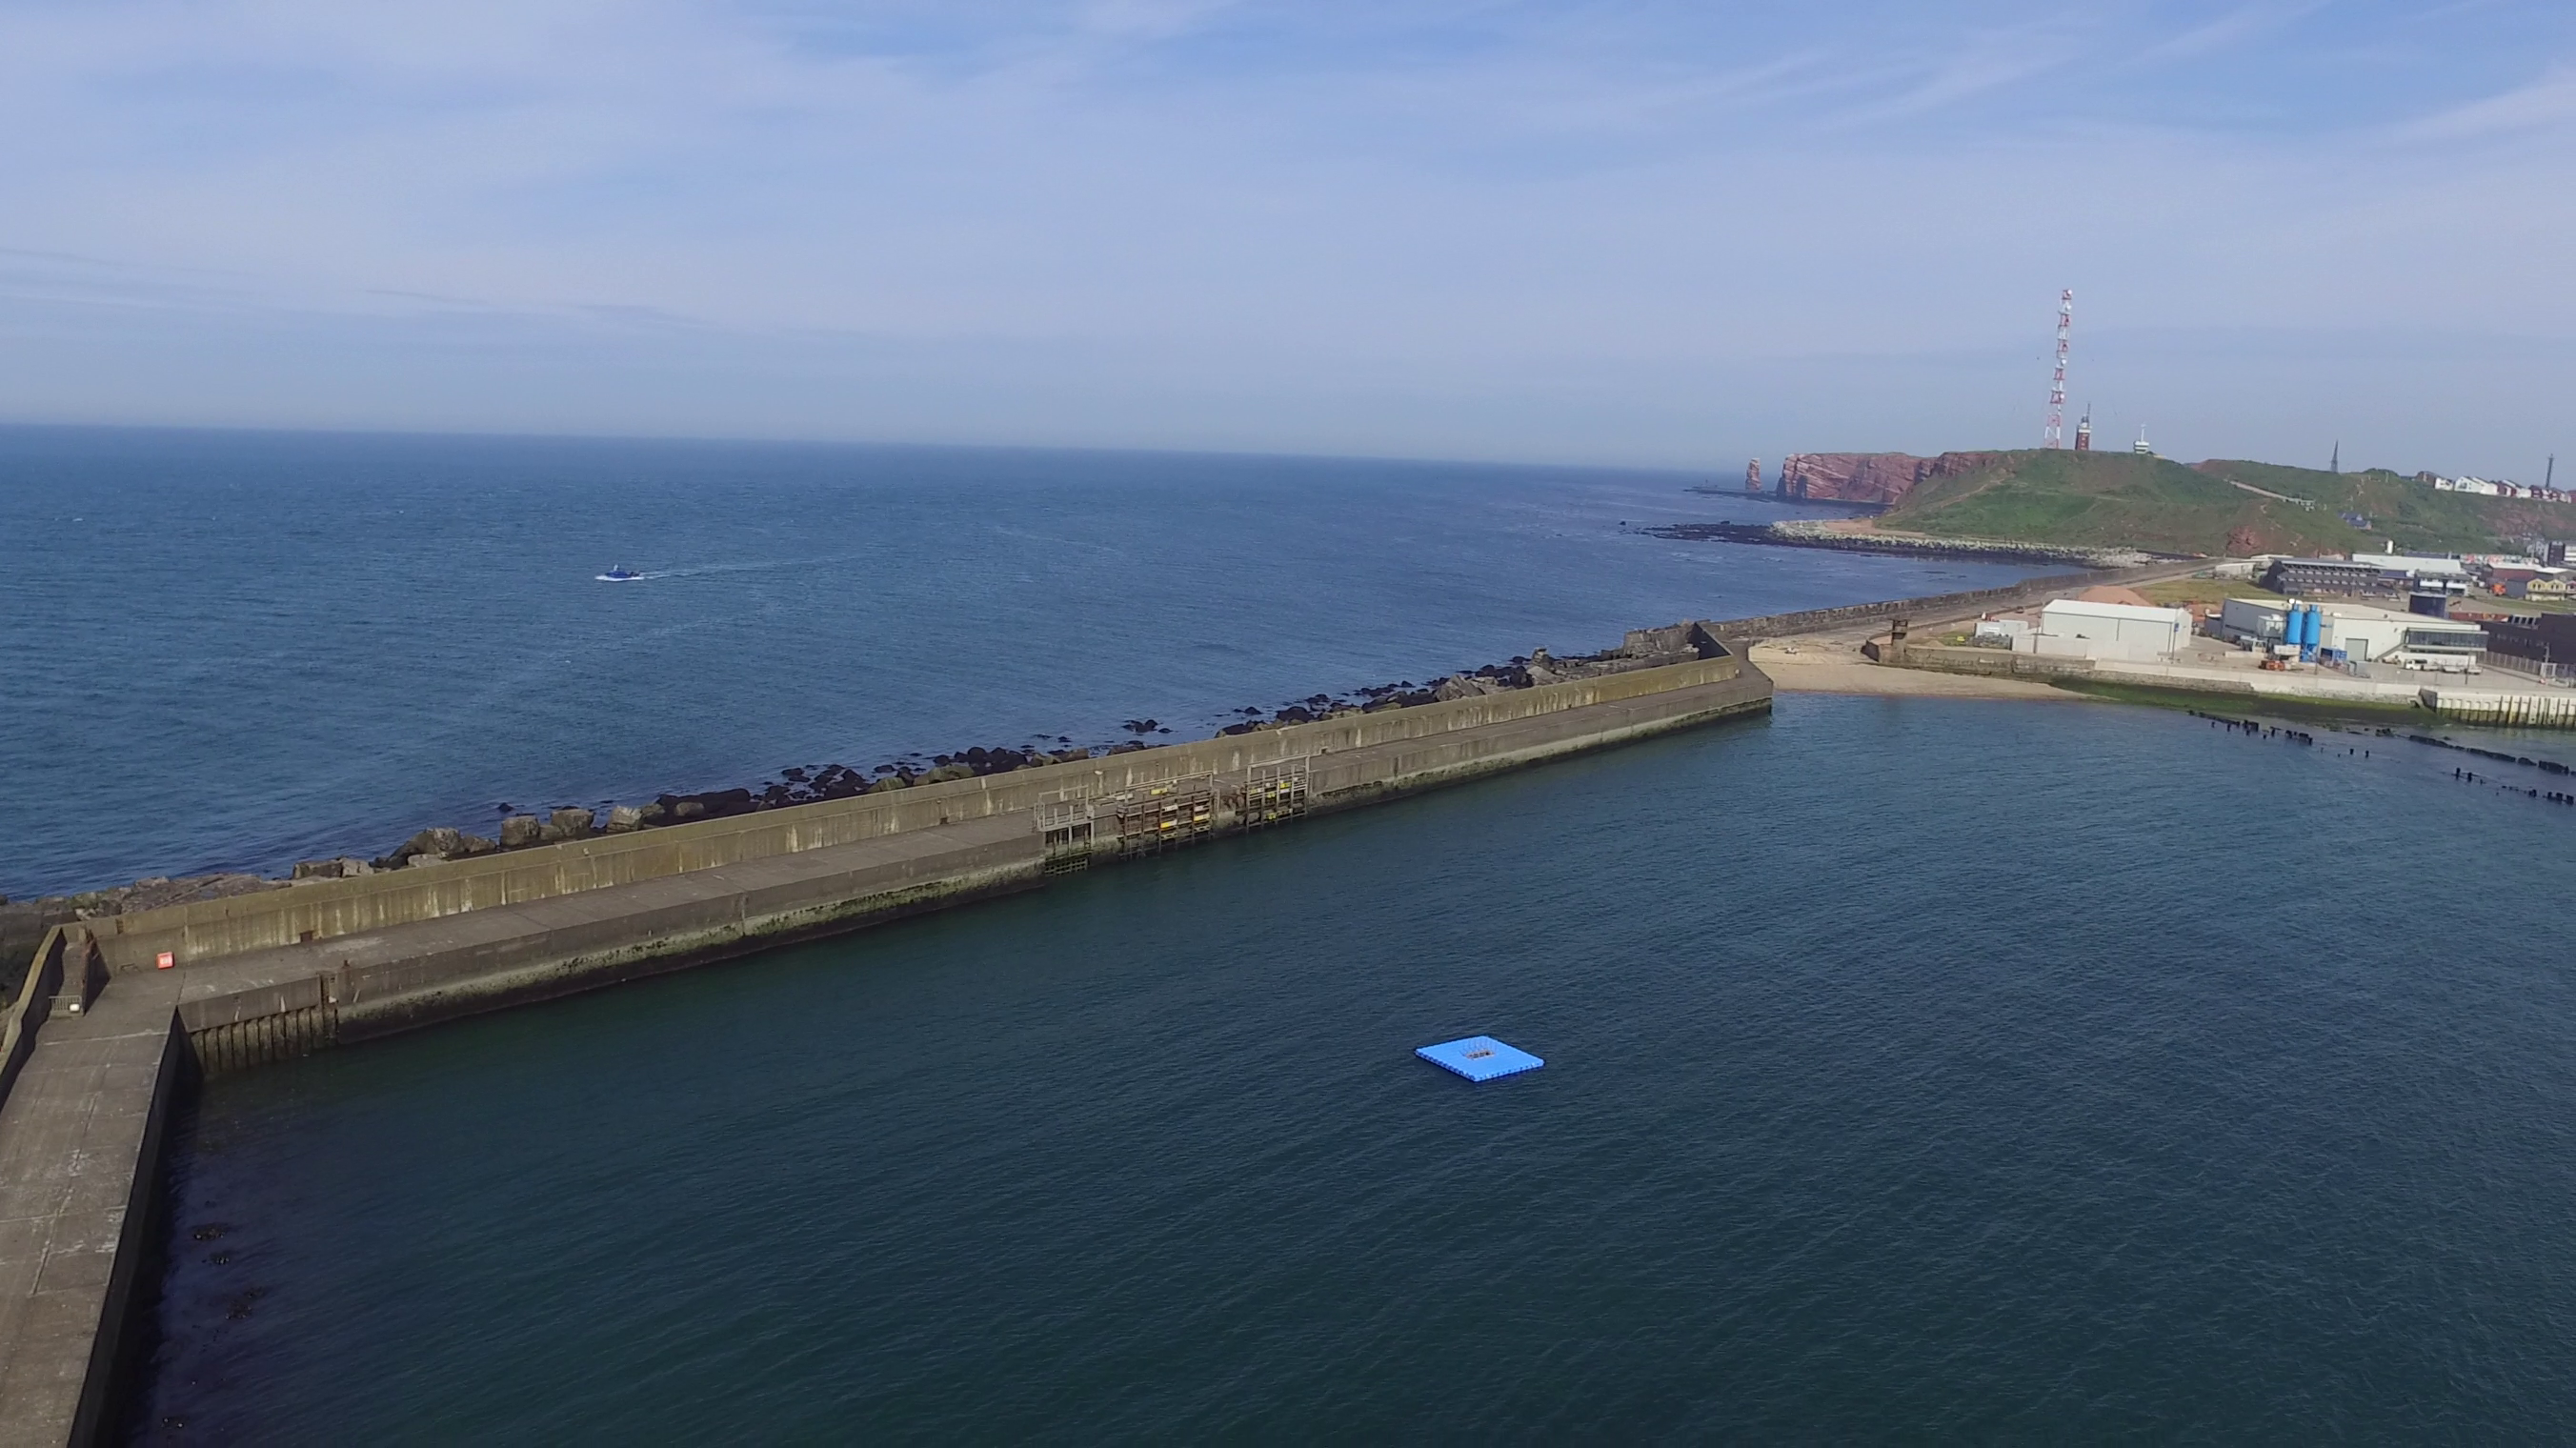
1916,1067
236,650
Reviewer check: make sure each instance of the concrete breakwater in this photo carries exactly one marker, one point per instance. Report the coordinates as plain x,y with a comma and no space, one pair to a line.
23,923
820,783
1808,533
118,1013
1231,771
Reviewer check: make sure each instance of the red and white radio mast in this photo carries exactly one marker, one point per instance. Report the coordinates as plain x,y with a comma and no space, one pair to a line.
2056,434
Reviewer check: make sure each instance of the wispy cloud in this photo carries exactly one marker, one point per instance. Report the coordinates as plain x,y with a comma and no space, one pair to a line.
1151,19
2229,30
2547,101
1987,63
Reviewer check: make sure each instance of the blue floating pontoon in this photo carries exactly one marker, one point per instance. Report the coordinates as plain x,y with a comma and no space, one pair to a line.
1479,1058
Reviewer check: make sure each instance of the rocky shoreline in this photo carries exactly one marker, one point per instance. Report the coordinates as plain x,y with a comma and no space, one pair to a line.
23,923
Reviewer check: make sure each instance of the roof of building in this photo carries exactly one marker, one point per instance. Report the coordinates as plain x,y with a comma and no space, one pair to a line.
2415,562
2142,613
2375,567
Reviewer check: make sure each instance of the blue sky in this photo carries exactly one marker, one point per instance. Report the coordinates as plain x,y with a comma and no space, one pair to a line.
1651,233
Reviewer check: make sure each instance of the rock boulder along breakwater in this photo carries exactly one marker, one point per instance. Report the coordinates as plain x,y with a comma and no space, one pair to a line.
23,923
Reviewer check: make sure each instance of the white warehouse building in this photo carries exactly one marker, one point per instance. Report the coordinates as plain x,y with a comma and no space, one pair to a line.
2071,628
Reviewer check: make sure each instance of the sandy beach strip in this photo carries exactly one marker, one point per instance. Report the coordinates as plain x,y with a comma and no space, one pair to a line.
1835,666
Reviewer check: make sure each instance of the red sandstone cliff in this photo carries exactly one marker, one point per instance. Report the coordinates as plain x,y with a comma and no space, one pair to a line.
1883,478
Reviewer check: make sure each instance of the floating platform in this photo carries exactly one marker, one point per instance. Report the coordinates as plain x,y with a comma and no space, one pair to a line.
1479,1058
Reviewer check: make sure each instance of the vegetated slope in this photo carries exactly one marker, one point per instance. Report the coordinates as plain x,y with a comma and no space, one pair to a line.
2118,499
2406,511
2122,499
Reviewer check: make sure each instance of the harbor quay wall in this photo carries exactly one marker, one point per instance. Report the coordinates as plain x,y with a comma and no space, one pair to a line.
1988,663
2473,705
438,970
324,909
273,1004
2554,710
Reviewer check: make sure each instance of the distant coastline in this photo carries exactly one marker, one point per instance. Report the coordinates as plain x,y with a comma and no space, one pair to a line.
1848,505
2137,499
1791,535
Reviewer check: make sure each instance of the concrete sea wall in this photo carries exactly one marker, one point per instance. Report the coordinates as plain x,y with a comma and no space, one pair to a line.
264,1004
1983,663
2526,709
325,909
2552,710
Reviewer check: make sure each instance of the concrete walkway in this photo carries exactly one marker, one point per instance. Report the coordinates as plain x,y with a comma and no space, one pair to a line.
79,1154
391,978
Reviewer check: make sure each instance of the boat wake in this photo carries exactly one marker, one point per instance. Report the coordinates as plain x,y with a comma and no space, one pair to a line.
628,575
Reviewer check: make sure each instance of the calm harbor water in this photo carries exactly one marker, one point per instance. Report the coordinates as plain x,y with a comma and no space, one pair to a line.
236,650
1915,1067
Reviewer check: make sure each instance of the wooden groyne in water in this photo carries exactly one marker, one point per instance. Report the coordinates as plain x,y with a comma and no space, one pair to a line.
117,1016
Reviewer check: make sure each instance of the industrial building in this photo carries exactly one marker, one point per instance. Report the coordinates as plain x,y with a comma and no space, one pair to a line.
2075,628
2354,633
2545,644
2422,565
2364,577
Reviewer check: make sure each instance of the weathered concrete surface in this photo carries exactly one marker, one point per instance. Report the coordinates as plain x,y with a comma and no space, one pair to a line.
80,1153
2469,703
265,1004
324,909
2490,705
431,970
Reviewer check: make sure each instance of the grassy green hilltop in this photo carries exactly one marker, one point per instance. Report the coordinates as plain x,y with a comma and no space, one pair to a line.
2126,500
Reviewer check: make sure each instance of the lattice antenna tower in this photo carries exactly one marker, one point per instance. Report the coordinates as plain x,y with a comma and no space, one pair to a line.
2055,436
